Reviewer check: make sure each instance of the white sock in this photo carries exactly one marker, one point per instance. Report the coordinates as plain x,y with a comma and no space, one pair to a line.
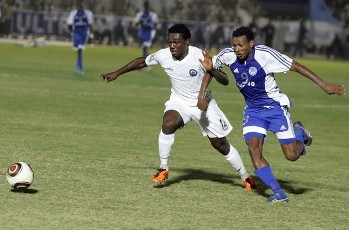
165,145
235,160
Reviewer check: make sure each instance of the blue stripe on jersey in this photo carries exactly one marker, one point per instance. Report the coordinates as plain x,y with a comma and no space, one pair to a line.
226,50
275,54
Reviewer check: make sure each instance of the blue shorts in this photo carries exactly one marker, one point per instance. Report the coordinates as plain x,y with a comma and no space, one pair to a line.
258,121
80,40
146,37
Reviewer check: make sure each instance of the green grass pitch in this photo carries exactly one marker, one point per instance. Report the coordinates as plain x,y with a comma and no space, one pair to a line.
93,148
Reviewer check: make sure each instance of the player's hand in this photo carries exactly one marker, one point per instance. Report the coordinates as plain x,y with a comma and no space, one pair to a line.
109,76
207,62
202,104
334,89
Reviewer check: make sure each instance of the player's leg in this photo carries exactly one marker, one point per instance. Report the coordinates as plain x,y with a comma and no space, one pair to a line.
292,137
264,171
145,40
234,159
171,122
79,45
175,117
216,126
255,131
79,67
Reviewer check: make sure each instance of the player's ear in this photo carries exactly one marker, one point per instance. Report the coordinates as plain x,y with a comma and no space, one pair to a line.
251,43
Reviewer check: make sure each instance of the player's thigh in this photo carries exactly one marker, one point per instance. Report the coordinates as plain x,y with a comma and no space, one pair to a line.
212,122
254,125
283,127
180,108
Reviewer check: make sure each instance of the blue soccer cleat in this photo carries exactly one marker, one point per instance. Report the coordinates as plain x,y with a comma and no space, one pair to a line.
277,198
308,139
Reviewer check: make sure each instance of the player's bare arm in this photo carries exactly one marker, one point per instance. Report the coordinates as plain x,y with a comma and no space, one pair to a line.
136,64
328,88
202,103
220,76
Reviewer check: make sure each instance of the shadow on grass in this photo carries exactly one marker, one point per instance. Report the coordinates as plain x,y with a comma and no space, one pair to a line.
287,186
198,174
27,191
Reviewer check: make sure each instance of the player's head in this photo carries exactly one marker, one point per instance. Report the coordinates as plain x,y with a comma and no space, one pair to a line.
178,40
146,5
79,4
243,42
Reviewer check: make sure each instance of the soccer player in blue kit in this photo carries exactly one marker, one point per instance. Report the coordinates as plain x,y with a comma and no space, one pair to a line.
253,67
80,23
147,21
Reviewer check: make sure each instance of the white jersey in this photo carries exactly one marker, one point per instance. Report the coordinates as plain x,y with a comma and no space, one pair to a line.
80,18
185,75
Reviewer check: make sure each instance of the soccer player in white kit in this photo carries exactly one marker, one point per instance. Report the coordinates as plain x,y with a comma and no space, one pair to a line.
253,67
185,66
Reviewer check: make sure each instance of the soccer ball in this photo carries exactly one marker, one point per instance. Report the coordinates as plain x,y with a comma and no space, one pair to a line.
20,175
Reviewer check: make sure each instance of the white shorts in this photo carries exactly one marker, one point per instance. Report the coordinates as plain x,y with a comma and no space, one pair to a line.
212,123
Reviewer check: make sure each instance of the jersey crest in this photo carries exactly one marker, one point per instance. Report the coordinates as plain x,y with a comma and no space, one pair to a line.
193,72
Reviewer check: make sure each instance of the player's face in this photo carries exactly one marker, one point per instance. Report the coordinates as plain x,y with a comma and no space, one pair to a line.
178,46
242,47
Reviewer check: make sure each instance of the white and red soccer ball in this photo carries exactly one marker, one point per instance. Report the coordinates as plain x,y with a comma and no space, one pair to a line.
20,175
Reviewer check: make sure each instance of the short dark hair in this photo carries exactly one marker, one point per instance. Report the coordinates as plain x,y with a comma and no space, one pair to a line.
181,29
244,31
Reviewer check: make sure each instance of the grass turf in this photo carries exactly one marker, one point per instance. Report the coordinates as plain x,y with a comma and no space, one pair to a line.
93,148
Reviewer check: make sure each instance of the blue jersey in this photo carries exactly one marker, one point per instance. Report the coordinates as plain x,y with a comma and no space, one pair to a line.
255,77
147,22
80,20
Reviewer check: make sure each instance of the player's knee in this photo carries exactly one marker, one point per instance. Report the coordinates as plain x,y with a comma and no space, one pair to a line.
167,129
291,152
254,149
292,156
169,126
221,145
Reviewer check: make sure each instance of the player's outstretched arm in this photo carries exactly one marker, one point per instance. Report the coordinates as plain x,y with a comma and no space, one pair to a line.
328,88
136,64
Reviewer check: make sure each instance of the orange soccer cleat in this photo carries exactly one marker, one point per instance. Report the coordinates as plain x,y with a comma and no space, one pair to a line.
160,176
250,183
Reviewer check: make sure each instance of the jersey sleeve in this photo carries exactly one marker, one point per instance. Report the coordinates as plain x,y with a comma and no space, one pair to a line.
137,18
89,17
155,17
277,62
152,59
70,18
225,58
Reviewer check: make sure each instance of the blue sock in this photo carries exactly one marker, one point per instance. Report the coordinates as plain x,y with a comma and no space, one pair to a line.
299,132
266,175
79,63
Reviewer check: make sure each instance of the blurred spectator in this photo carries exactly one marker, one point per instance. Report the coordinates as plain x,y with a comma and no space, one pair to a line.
190,11
103,32
335,49
256,31
5,18
199,40
120,34
268,32
300,44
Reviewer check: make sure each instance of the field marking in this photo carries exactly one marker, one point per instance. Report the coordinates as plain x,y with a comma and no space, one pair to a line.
326,106
161,88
